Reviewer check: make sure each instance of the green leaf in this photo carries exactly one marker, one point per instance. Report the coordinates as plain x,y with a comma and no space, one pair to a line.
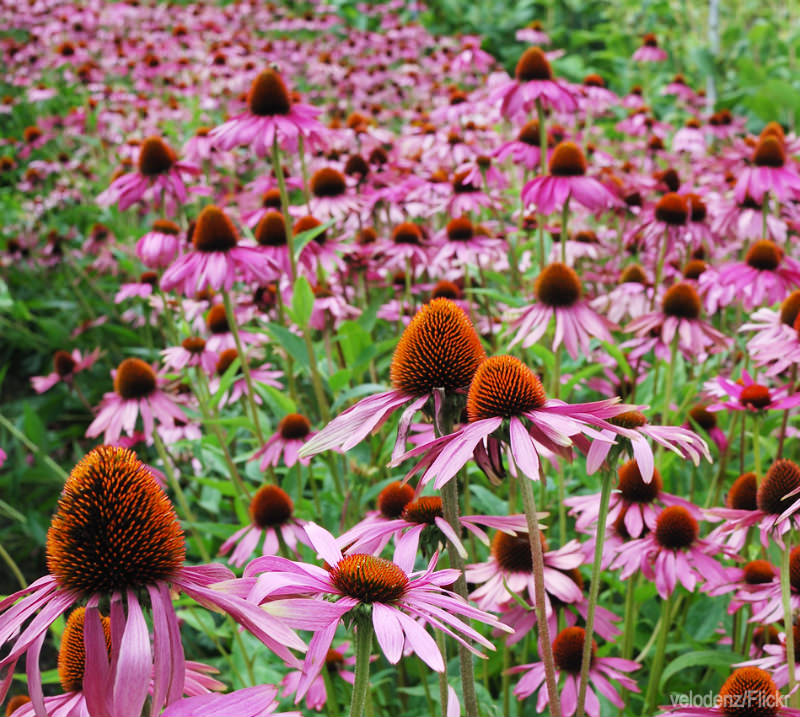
302,301
292,344
699,658
13,513
580,376
299,241
622,362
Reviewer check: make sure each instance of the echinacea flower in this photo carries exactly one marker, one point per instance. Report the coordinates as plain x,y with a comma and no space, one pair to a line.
524,150
568,653
294,430
158,173
159,246
766,597
115,536
271,511
747,395
137,392
768,173
672,552
396,597
765,277
270,117
775,661
566,181
335,663
533,82
259,701
559,297
634,505
193,351
65,366
438,352
216,258
649,51
749,688
504,389
777,509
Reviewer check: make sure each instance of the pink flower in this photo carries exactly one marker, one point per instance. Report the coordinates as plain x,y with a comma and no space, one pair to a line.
747,395
568,651
65,366
216,258
271,511
159,175
259,701
137,391
533,82
116,537
335,663
672,552
398,598
270,117
439,351
158,247
567,180
558,292
649,50
193,351
503,388
768,173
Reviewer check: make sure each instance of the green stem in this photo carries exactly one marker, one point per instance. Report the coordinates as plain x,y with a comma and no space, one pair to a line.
442,676
785,421
330,692
564,233
594,587
757,445
629,633
180,495
316,379
13,567
659,269
658,658
31,446
788,623
251,394
304,175
364,632
529,501
673,355
287,219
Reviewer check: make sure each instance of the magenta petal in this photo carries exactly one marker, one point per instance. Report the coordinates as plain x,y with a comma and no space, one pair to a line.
388,631
135,665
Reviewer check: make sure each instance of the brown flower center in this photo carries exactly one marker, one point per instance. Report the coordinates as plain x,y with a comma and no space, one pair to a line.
460,229
513,552
764,255
294,426
217,320
632,274
407,233
165,226
632,486
226,358
681,301
155,157
629,419
72,653
594,80
194,344
369,579
271,230
214,231
63,363
743,493
445,289
758,572
558,285
393,499
529,134
328,182
271,199
438,349
134,379
568,649
755,396
533,65
649,40
423,510
782,477
356,165
268,95
114,527
769,152
790,308
703,417
503,386
749,692
672,209
271,506
694,268
676,528
567,160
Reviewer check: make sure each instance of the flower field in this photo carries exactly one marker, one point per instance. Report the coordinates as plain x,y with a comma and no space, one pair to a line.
399,359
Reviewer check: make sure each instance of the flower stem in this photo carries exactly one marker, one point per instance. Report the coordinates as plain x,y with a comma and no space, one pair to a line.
546,646
179,494
673,355
287,220
658,658
788,622
13,567
785,421
594,587
31,446
659,268
251,395
364,632
757,445
442,676
564,234
543,165
330,692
